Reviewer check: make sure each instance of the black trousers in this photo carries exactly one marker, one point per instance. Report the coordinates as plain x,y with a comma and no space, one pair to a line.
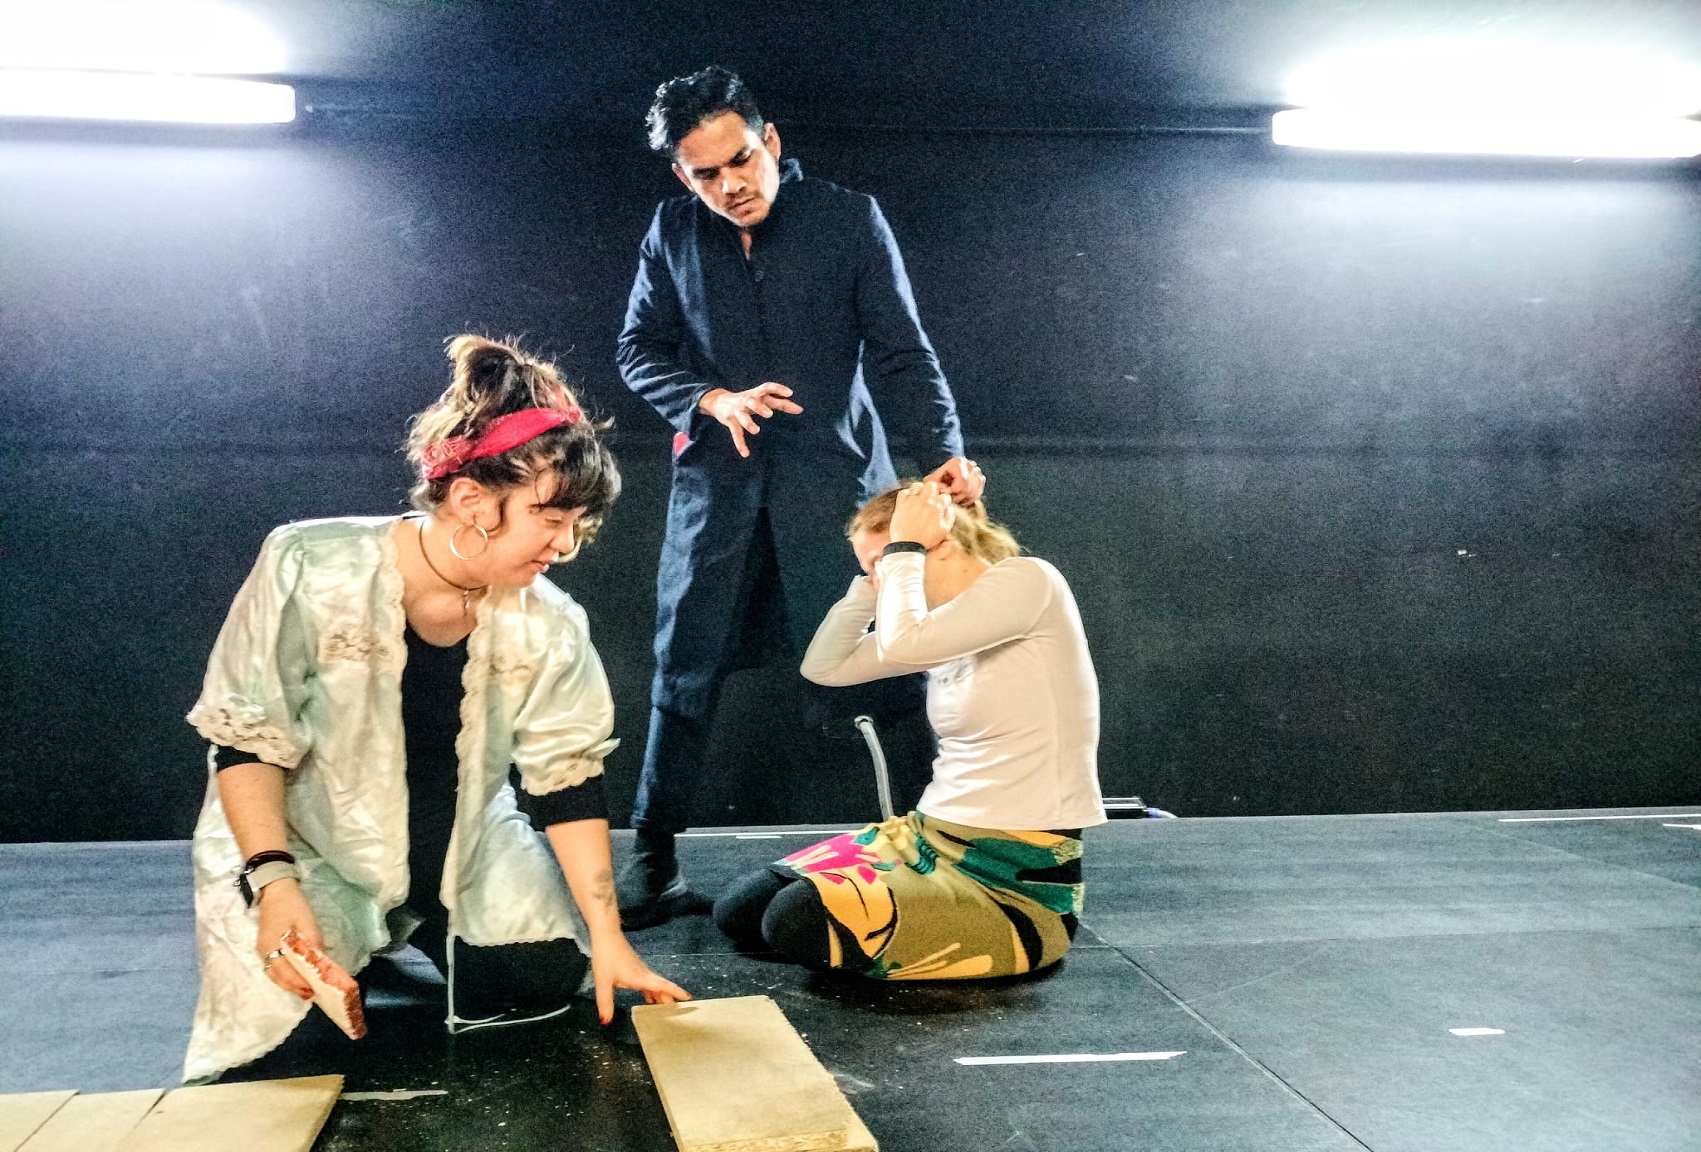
530,979
677,743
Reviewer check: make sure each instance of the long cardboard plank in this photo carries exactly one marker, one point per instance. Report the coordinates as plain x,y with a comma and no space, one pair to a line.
262,1116
93,1122
22,1113
734,1076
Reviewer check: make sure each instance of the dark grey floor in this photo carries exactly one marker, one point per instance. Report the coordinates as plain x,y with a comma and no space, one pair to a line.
1308,968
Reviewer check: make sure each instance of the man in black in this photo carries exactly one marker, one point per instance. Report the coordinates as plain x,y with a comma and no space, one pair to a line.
772,324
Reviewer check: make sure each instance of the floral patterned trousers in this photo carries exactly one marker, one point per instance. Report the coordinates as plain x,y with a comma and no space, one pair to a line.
921,899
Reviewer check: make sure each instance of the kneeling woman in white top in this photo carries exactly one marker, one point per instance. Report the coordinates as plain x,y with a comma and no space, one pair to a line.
984,879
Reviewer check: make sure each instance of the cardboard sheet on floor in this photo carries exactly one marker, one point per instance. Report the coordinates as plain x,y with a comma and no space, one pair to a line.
263,1116
93,1122
734,1076
22,1113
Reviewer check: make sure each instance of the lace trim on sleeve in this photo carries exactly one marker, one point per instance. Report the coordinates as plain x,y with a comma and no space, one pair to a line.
567,773
236,730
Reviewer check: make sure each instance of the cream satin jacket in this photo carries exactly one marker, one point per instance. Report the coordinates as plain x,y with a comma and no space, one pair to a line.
306,674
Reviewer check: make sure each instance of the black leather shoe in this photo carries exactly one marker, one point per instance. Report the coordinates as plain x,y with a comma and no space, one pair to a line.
651,890
646,911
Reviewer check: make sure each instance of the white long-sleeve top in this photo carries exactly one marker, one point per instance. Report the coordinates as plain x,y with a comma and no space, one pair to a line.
1011,690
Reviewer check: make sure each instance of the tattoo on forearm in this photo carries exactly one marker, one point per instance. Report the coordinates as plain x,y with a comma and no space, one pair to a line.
602,888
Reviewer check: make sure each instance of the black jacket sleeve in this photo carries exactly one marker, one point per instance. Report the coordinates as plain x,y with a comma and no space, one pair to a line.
651,345
898,363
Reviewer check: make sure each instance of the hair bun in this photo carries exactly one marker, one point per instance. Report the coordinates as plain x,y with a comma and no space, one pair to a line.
486,368
492,380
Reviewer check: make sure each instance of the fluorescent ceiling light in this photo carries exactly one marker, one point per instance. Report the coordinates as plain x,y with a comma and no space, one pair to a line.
1623,137
129,96
140,60
185,36
1498,76
1488,96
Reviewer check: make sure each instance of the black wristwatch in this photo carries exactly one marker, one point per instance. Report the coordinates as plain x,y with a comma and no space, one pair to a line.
903,546
261,869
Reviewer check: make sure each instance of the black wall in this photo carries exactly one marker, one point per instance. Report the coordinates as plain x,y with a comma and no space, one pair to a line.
1376,481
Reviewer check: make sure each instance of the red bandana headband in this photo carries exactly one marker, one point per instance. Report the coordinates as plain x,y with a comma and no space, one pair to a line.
505,433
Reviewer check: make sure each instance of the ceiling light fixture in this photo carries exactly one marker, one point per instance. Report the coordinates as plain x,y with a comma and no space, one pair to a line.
159,61
1489,97
1627,138
140,97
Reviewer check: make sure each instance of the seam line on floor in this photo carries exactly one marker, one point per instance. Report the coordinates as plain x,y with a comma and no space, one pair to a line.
1509,834
1359,938
1238,1050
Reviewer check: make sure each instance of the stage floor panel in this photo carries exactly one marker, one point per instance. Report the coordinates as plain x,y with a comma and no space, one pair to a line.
1310,971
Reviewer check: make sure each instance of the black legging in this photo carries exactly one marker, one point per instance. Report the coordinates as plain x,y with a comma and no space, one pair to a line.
776,910
522,979
527,978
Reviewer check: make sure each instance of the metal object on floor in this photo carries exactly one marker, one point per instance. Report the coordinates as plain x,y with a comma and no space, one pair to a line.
1133,808
882,777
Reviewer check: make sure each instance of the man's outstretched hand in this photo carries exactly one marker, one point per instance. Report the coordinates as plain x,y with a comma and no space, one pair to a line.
739,410
959,478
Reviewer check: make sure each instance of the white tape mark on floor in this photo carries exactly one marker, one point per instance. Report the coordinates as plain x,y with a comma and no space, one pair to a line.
1477,1031
398,1094
819,833
1568,819
1697,827
1070,1058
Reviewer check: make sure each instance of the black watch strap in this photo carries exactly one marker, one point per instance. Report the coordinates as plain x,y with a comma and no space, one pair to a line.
253,862
897,546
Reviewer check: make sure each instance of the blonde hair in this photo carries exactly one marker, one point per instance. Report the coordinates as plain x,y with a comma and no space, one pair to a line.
491,379
971,529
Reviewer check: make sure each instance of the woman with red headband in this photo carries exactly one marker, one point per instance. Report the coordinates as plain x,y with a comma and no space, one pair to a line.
374,684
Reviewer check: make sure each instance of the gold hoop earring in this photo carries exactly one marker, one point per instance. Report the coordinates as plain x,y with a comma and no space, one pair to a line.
457,553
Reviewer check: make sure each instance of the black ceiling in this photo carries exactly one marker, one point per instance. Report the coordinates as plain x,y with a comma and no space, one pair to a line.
987,64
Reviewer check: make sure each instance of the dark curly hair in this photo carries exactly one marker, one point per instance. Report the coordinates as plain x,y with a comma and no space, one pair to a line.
686,101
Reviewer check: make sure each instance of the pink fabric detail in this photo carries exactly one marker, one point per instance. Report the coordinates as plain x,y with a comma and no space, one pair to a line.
839,853
680,442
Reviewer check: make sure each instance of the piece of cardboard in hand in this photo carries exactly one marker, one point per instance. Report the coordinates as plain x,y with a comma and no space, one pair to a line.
334,990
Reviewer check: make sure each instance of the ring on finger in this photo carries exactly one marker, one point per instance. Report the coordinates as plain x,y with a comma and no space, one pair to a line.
274,954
